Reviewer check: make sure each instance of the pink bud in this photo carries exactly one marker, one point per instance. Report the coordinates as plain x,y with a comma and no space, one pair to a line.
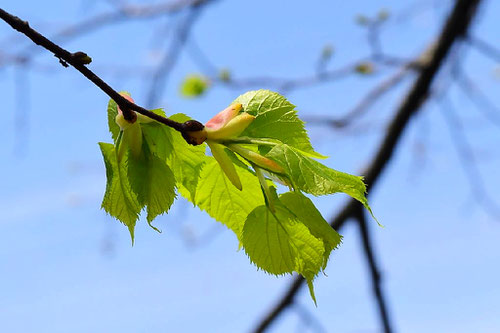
127,97
228,123
223,117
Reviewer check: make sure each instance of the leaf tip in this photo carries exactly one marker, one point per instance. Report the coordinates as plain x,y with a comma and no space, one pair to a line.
131,230
152,226
311,291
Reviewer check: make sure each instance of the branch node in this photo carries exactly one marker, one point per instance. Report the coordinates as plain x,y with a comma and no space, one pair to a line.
81,58
62,61
193,132
128,114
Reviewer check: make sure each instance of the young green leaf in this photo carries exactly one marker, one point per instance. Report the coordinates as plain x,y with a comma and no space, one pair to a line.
315,178
186,161
153,182
280,243
159,139
221,200
161,193
119,201
302,207
276,118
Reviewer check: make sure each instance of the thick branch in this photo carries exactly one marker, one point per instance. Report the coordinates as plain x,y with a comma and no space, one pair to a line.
456,26
66,57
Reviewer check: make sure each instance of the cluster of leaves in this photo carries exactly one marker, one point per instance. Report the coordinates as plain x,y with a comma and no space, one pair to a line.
280,232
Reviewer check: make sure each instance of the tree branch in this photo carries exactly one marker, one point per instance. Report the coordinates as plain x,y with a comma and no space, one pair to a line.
374,271
158,79
365,103
75,60
467,158
456,26
485,48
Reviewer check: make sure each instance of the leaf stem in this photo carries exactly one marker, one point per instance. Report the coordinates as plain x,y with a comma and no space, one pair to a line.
265,187
248,140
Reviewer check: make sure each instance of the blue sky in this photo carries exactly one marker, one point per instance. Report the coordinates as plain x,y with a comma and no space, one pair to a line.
66,266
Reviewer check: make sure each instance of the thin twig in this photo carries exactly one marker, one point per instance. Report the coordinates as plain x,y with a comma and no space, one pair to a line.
122,13
485,48
483,104
365,103
65,57
467,158
159,78
308,320
374,271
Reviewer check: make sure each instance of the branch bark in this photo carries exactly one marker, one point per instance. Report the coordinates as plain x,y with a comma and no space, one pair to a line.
455,28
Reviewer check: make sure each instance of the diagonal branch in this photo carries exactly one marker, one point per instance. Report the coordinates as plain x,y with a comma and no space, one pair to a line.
374,271
75,59
366,102
455,28
170,58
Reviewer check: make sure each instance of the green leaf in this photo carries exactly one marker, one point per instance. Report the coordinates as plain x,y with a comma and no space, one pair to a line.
194,86
159,139
217,196
161,192
279,243
119,199
276,118
315,178
153,182
186,161
303,208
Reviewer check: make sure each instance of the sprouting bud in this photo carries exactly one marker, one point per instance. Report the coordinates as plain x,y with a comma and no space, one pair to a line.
223,117
228,123
220,155
132,132
120,119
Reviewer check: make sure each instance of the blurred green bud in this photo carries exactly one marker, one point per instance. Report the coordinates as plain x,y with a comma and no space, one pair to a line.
194,86
225,75
327,52
383,15
362,19
365,68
